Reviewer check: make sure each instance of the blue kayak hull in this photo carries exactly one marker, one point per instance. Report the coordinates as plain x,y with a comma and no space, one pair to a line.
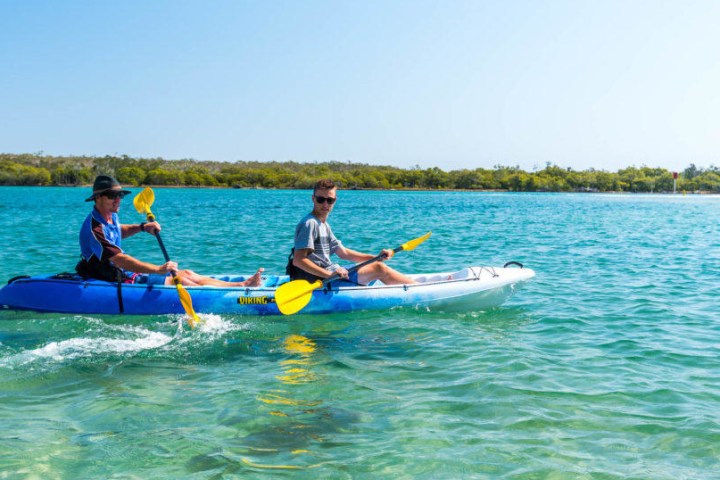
470,289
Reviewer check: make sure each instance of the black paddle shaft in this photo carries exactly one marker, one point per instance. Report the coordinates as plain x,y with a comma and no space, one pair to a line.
335,276
151,218
162,247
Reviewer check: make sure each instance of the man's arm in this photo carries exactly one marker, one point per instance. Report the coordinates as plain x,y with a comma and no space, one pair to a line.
301,260
357,257
132,264
131,229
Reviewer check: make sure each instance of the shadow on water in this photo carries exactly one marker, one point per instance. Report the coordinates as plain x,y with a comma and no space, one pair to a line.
301,417
294,423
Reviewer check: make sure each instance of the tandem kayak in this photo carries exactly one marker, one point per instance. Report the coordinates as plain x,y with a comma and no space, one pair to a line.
469,289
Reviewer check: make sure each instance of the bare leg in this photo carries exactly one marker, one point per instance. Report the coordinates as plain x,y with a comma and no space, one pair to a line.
380,271
192,279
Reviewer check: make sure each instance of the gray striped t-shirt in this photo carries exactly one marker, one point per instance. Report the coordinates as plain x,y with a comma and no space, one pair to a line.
318,236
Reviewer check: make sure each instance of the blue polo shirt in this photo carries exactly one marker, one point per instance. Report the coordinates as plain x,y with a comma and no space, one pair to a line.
99,238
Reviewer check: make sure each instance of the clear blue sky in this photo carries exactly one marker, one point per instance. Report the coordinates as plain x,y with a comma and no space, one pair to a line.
449,83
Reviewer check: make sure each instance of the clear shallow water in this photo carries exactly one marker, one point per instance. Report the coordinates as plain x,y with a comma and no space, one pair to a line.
604,366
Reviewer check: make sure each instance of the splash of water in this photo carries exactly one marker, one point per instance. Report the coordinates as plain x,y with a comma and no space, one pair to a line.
132,339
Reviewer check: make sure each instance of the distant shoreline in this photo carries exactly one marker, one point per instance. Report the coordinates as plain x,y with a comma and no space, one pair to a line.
37,169
466,190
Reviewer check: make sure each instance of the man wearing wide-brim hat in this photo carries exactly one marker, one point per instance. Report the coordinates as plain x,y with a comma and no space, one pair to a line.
101,238
104,184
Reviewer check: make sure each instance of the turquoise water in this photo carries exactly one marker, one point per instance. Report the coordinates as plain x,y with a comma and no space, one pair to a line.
604,366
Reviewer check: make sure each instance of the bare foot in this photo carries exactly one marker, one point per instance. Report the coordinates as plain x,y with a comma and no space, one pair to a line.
255,280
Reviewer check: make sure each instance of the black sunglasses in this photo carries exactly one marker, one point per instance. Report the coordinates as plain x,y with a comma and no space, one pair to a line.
320,199
114,195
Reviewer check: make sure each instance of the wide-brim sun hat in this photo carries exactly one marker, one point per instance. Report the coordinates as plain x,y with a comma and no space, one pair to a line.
103,184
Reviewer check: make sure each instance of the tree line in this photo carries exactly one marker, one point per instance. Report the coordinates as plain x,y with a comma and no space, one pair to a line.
39,169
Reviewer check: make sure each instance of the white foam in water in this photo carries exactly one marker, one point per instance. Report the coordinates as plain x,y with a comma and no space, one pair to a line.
210,328
133,339
87,347
216,325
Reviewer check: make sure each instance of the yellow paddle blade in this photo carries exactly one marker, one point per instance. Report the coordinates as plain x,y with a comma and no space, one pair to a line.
292,297
144,200
414,243
186,302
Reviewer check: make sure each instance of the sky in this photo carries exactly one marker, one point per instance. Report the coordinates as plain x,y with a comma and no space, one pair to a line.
455,84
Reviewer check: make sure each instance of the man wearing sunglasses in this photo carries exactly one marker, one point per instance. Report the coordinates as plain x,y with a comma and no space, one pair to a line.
103,257
315,242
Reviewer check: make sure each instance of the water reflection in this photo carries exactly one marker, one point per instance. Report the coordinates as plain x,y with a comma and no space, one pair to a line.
297,369
292,438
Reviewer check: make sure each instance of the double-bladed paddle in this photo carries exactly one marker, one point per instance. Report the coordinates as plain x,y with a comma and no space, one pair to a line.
143,201
293,296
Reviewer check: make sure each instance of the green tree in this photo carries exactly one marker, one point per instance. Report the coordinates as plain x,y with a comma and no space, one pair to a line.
17,174
160,176
131,175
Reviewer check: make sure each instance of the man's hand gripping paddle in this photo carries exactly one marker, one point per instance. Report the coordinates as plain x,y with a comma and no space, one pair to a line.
293,296
143,201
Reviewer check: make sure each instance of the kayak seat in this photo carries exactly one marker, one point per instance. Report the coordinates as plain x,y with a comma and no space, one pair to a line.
462,274
441,277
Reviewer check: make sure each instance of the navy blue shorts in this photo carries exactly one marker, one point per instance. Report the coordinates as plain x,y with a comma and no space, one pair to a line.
352,280
151,279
